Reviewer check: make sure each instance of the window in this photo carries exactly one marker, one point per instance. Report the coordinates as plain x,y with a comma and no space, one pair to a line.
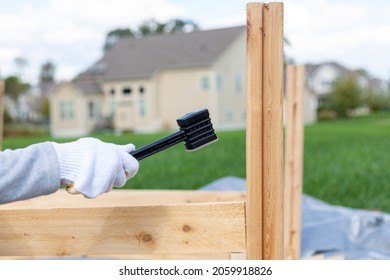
141,89
142,106
91,109
229,116
327,84
127,90
66,110
219,82
205,83
112,105
142,102
112,91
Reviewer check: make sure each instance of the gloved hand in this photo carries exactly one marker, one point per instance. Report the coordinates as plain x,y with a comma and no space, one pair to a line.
92,167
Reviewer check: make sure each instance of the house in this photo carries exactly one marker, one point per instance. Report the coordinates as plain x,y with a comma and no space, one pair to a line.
75,108
320,78
145,84
310,105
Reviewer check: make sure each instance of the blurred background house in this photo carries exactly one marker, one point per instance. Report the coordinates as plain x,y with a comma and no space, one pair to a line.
321,78
144,84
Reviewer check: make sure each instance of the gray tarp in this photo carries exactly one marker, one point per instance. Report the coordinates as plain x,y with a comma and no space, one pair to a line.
332,230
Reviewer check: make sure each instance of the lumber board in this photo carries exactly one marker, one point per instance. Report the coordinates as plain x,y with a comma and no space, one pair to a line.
264,131
293,161
117,197
162,229
254,122
176,256
273,131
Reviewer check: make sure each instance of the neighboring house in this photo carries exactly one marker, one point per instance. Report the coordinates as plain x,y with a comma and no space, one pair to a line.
320,78
28,105
145,84
310,105
75,108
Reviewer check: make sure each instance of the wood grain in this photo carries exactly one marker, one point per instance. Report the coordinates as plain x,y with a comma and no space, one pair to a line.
264,131
124,198
254,130
273,131
162,229
293,160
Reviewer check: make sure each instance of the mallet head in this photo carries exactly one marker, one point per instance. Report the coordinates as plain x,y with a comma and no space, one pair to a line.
198,129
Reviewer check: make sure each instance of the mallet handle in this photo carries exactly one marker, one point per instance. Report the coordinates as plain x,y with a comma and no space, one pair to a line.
159,145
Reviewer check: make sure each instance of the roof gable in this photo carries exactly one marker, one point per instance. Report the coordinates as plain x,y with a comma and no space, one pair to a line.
142,57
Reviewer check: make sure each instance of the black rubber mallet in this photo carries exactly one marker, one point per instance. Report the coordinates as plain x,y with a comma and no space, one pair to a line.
196,130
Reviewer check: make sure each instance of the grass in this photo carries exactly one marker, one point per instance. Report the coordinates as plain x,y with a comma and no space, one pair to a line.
346,162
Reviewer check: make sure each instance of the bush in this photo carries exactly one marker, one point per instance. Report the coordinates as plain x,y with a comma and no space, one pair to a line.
377,101
326,115
345,96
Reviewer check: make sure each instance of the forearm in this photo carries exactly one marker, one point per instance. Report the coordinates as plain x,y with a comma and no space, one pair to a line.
28,172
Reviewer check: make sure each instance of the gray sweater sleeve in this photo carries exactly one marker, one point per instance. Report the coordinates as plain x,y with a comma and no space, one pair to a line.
28,172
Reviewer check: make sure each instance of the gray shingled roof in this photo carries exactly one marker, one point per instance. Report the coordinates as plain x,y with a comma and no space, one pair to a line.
88,86
142,57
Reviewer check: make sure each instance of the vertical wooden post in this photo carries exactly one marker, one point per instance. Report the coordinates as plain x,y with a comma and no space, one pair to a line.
264,131
2,89
254,131
293,161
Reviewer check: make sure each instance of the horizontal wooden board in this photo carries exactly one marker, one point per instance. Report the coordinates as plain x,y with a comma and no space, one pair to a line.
196,228
61,199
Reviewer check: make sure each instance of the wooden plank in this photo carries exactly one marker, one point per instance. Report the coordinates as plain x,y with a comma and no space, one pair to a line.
177,256
254,145
163,229
273,131
293,161
2,89
124,198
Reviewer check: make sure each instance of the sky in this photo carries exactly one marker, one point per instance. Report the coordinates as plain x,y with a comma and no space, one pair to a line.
71,33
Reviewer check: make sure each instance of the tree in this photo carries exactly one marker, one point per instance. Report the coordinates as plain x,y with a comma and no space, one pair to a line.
14,86
115,35
345,95
47,72
377,100
180,25
149,27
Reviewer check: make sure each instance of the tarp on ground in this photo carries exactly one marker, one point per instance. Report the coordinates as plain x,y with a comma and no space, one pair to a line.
332,230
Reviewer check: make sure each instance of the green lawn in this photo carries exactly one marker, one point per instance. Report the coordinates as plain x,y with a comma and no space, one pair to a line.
346,161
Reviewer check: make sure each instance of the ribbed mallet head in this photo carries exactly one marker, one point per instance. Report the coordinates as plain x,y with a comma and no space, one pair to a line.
198,129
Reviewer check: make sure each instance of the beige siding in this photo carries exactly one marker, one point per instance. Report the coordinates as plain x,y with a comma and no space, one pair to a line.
81,124
134,111
68,127
230,70
92,118
180,91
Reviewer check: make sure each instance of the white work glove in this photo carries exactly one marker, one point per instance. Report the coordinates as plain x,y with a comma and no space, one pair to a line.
92,167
